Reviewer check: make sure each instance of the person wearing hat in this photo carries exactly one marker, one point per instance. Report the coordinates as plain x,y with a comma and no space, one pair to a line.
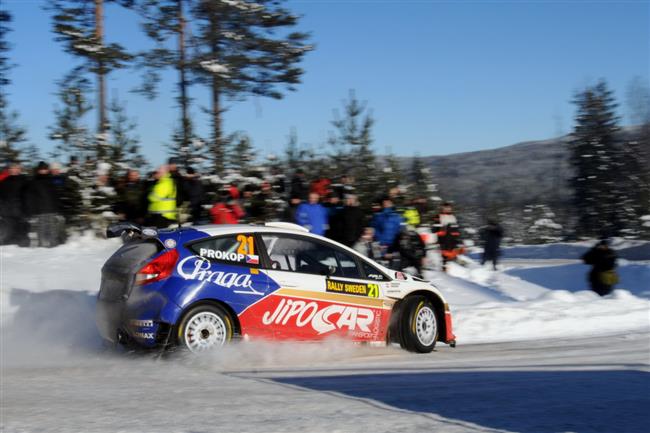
227,211
491,236
387,223
179,180
13,226
162,199
42,204
602,276
194,193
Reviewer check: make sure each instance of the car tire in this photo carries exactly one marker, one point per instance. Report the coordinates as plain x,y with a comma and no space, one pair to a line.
205,327
418,325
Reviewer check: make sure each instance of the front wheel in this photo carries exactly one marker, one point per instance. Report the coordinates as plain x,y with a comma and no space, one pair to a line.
205,327
418,325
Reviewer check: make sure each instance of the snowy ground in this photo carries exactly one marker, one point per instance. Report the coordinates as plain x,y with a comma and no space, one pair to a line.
537,353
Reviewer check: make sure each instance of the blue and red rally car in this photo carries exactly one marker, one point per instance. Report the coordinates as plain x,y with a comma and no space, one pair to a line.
200,287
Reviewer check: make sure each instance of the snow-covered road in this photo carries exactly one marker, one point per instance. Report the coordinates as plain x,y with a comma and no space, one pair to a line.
578,385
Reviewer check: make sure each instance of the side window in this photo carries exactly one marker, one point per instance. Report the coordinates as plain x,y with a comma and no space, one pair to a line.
372,273
236,249
288,253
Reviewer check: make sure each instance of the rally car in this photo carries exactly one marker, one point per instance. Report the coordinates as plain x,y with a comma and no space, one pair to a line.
201,287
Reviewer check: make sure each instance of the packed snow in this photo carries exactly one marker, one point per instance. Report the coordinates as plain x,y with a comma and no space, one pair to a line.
559,358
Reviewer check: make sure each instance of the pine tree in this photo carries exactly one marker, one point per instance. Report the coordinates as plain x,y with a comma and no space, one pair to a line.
604,189
353,154
540,225
165,23
391,171
241,50
240,153
69,131
638,100
12,135
79,26
123,145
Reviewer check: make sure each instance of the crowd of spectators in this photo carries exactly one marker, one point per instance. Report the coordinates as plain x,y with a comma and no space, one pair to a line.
36,208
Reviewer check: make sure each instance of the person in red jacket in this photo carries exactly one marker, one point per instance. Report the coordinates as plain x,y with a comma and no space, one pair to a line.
226,211
450,244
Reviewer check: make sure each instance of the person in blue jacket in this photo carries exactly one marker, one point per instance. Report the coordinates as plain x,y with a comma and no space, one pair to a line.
387,223
312,215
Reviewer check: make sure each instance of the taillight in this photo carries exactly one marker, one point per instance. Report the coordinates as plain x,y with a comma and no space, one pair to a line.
158,269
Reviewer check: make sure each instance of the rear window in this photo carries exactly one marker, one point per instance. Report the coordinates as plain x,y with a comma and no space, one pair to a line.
236,249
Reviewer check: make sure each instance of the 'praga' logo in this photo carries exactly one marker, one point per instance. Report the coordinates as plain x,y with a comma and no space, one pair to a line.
202,270
300,313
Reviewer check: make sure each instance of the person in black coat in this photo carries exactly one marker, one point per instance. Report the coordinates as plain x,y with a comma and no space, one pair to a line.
411,250
352,221
299,186
132,198
602,276
195,195
491,236
43,205
13,224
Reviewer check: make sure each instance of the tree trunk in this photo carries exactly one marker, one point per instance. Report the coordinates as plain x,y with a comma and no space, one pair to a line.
101,79
217,139
182,85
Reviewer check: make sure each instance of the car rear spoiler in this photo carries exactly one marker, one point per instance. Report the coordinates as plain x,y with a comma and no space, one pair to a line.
128,231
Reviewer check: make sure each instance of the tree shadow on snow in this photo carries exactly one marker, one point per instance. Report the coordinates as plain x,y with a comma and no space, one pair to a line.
523,401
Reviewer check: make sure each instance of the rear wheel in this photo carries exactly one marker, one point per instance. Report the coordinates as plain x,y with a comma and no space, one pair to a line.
205,327
418,325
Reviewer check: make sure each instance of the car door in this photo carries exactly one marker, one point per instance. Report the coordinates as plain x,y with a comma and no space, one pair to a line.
320,291
224,268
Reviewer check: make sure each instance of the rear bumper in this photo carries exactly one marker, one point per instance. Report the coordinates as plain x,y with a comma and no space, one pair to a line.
118,322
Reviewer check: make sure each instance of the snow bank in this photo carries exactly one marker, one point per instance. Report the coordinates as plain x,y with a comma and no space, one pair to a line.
558,314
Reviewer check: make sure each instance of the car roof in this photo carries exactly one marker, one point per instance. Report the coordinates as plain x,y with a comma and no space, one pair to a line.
275,227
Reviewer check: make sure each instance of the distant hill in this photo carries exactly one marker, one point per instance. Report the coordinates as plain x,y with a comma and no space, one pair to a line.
529,172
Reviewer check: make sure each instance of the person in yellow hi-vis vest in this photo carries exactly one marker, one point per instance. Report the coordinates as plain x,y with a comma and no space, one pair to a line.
162,199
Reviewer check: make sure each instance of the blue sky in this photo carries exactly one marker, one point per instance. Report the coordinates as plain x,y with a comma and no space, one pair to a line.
440,76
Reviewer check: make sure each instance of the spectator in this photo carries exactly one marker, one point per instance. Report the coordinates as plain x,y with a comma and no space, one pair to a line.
179,181
263,204
491,236
43,206
411,215
333,206
162,199
602,276
410,250
299,188
350,221
445,217
131,198
312,215
194,193
344,187
67,189
450,245
226,211
13,224
321,186
366,244
386,223
290,211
